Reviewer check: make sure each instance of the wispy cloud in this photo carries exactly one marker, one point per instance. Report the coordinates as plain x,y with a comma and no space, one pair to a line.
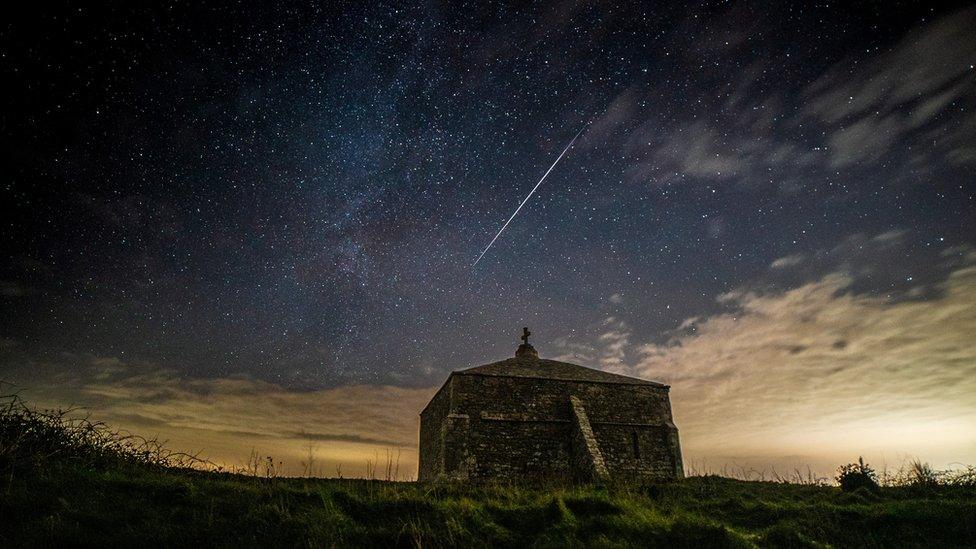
817,365
787,261
225,418
923,73
614,340
902,96
821,370
902,108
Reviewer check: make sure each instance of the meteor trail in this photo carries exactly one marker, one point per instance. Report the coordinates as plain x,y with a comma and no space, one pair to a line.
527,197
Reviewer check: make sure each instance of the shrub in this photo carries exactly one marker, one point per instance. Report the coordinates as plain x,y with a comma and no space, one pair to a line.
922,474
33,440
857,475
960,477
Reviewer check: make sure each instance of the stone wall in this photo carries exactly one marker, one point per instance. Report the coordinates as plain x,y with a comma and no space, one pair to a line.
512,450
486,426
431,451
481,426
531,398
646,451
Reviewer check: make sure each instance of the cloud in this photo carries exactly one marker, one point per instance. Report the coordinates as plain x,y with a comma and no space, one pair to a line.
689,322
821,370
613,340
621,110
905,110
787,261
924,69
749,143
893,236
888,263
224,418
853,354
867,139
870,106
568,349
699,149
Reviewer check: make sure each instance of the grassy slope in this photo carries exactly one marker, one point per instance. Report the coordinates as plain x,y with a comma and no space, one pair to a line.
139,505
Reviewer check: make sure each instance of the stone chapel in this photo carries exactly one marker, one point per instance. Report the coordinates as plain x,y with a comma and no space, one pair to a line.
528,417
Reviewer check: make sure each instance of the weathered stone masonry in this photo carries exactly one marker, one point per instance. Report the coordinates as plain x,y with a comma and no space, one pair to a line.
528,417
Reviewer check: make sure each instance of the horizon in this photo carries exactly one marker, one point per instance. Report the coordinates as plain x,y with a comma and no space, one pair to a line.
249,229
353,453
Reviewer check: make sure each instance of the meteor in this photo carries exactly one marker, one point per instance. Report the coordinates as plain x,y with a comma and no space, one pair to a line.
527,197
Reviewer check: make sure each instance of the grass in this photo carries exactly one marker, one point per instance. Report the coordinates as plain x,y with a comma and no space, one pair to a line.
57,493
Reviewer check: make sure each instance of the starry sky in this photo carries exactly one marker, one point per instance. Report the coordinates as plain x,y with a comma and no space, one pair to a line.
255,225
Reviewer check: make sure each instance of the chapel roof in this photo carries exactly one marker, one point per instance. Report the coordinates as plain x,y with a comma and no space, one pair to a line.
540,368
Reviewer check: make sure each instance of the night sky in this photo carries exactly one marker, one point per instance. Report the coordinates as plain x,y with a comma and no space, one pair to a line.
771,207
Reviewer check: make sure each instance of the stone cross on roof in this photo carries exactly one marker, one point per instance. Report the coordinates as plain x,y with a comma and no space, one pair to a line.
525,350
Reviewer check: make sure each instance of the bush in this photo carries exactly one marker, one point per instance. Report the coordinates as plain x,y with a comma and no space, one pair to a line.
922,474
857,475
960,477
33,440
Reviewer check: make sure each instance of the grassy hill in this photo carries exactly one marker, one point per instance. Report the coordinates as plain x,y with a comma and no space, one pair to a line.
69,483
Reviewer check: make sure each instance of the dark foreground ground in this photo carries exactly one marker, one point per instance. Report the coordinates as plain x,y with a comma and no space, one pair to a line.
135,505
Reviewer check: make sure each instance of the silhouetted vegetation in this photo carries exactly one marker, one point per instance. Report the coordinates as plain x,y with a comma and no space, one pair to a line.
857,476
69,482
33,440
